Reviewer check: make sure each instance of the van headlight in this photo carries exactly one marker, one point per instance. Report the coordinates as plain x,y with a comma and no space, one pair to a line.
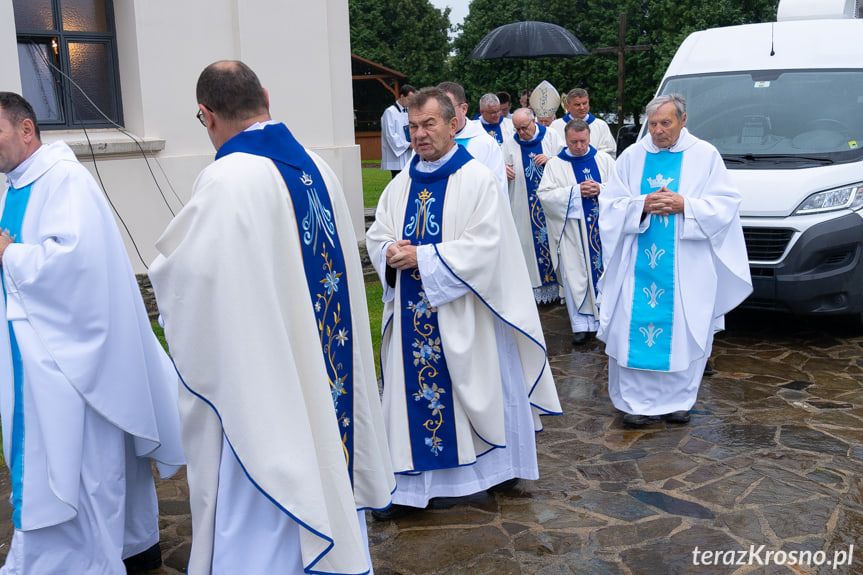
849,197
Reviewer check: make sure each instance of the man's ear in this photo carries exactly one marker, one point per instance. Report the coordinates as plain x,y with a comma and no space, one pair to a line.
28,129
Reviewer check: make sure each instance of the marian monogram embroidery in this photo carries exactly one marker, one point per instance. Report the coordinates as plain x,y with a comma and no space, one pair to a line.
318,218
423,220
531,170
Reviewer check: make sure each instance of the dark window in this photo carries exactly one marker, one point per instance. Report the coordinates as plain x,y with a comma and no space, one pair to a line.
63,39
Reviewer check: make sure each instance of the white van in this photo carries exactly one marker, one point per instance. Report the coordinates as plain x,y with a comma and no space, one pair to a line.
783,103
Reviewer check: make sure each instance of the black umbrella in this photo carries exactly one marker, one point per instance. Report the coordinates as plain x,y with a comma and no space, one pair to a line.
528,40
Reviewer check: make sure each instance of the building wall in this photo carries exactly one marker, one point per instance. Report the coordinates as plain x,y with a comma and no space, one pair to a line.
301,52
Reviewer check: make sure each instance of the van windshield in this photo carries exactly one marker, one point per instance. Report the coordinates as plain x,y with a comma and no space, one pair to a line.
798,118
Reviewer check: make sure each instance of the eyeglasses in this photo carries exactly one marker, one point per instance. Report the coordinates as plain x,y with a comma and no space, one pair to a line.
201,118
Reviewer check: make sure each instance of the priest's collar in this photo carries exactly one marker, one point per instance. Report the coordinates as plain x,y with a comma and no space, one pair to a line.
538,134
428,167
443,167
14,177
591,151
261,125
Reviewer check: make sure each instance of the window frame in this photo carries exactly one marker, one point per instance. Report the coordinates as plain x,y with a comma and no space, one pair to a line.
64,90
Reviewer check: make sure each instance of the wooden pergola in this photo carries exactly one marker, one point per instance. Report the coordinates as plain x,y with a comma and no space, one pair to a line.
363,69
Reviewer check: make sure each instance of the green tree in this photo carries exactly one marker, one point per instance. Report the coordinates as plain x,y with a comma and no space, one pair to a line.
662,24
409,36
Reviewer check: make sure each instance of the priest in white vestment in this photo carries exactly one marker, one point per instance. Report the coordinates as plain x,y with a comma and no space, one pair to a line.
578,108
395,141
675,264
463,356
473,137
261,290
527,153
87,394
569,193
492,119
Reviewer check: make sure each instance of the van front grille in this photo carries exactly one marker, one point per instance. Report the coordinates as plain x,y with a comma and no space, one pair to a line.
766,244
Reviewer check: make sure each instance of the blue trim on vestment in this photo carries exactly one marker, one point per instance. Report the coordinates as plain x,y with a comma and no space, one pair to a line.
536,215
11,221
589,209
307,569
323,262
515,327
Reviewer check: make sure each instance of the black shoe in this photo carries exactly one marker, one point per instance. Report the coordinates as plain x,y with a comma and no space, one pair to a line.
708,369
394,511
145,560
639,420
579,338
503,486
677,417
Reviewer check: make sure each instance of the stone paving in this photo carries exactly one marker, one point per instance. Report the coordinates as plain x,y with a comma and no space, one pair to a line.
773,457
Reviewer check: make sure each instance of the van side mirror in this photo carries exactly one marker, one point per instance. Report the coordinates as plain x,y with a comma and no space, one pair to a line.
626,136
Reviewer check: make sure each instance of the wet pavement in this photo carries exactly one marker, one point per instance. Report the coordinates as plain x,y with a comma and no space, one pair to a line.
765,479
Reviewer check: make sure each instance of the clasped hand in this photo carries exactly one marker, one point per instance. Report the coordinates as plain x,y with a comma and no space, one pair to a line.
401,255
663,202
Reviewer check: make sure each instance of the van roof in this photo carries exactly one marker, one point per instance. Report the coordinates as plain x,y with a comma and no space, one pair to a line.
796,44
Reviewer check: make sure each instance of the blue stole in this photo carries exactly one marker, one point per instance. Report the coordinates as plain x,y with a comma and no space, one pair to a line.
532,176
585,168
325,271
13,216
652,320
588,119
431,414
494,130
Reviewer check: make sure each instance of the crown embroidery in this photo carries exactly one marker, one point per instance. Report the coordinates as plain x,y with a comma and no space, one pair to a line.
306,179
659,181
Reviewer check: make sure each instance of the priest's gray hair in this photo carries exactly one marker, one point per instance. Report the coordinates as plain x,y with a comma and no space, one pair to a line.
676,99
488,100
577,93
529,111
419,99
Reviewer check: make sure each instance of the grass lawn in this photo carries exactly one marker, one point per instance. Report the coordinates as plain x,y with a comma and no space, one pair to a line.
374,292
374,182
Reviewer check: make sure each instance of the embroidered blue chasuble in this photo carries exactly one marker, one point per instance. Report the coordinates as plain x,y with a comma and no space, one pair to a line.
653,297
13,216
585,168
532,176
494,130
323,260
431,417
